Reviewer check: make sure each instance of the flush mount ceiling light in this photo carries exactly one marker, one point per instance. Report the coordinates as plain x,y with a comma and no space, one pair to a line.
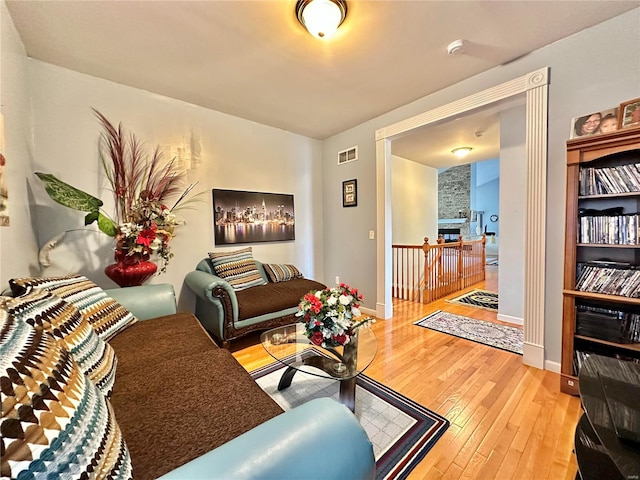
321,17
461,152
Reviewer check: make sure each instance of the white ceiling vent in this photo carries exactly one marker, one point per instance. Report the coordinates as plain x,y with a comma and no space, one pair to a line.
348,155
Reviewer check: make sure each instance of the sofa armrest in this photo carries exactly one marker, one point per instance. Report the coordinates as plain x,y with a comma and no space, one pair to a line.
211,288
147,301
318,440
216,302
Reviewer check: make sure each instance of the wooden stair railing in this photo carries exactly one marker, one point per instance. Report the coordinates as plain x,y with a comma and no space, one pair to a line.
407,281
441,269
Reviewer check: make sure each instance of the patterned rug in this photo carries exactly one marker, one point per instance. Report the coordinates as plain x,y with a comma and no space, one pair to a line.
402,432
478,298
495,335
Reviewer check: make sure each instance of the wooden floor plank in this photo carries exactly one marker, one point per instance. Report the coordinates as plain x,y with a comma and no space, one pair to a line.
508,421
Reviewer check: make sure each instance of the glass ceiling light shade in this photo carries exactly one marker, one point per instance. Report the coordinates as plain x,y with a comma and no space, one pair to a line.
321,17
461,152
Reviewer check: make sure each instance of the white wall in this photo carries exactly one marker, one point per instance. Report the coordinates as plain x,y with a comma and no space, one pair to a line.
485,193
18,248
590,71
236,154
513,205
414,196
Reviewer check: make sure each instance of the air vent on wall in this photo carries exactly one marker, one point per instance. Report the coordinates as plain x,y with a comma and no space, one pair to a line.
348,155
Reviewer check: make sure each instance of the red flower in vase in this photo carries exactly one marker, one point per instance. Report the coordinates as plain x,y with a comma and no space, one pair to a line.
341,339
317,338
146,236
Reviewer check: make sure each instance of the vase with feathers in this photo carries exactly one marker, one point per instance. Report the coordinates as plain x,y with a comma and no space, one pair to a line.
143,185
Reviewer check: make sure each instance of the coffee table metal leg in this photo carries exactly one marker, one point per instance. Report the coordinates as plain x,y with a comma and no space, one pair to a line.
348,393
287,378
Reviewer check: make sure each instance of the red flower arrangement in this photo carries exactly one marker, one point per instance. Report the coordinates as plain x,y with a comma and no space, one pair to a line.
330,315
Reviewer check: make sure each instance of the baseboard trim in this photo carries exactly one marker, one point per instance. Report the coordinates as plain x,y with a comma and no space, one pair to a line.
533,355
552,366
510,319
383,311
369,311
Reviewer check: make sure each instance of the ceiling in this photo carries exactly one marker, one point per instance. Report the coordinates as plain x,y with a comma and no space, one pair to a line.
432,144
252,59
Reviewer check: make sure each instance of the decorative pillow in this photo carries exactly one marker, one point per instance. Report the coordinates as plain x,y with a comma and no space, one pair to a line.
40,308
55,422
237,267
281,273
104,314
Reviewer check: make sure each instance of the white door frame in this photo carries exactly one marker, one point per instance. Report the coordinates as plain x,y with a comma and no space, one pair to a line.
535,86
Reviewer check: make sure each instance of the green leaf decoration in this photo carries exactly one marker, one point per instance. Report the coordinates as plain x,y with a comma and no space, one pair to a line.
106,225
91,217
69,196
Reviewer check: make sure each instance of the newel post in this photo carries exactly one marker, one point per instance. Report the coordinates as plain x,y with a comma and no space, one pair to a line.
460,263
426,296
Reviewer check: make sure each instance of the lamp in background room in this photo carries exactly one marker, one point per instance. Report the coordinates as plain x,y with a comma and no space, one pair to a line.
321,17
461,152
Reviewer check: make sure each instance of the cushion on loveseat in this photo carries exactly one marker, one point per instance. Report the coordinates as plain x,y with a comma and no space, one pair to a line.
55,422
273,297
281,272
209,400
237,267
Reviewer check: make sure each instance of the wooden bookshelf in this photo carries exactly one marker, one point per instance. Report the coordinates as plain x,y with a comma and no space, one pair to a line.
600,159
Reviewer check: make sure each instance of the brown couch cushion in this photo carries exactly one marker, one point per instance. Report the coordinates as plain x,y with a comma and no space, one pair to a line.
273,297
180,395
150,342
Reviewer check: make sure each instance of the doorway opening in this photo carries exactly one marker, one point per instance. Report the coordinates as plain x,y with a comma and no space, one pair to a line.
535,87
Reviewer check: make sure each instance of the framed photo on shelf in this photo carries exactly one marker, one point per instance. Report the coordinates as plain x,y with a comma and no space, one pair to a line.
629,114
350,193
595,123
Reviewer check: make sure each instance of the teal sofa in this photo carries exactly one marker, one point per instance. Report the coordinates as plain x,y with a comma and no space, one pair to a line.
210,391
228,314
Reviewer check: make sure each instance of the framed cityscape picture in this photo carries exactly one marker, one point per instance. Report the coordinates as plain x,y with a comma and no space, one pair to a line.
250,217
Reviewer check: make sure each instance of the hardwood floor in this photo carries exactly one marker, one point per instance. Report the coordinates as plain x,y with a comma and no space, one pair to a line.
508,421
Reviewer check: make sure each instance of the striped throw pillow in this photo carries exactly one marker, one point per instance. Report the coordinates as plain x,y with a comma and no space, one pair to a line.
237,267
104,314
42,309
281,273
55,422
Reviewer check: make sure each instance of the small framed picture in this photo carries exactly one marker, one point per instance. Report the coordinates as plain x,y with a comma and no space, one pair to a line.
596,123
629,114
350,193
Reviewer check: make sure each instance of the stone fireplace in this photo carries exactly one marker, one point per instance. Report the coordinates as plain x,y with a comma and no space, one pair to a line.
454,200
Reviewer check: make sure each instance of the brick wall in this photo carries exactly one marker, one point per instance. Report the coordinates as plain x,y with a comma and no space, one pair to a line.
454,196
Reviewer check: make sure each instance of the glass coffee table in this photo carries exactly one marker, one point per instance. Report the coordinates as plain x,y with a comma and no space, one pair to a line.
290,346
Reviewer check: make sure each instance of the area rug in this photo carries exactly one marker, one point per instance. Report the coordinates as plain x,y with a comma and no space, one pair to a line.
495,335
402,431
478,298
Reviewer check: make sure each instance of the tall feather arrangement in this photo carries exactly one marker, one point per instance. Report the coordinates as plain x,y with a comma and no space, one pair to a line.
141,187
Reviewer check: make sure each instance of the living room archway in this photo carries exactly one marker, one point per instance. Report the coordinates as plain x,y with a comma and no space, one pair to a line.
535,86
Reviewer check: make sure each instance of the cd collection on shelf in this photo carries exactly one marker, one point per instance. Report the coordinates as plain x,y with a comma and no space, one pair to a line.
607,324
610,278
610,230
609,180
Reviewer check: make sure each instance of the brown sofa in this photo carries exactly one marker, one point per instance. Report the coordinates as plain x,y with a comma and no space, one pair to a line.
228,314
186,408
189,410
191,415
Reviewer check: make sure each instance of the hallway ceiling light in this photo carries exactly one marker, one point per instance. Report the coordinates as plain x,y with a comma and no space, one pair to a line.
321,17
461,152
